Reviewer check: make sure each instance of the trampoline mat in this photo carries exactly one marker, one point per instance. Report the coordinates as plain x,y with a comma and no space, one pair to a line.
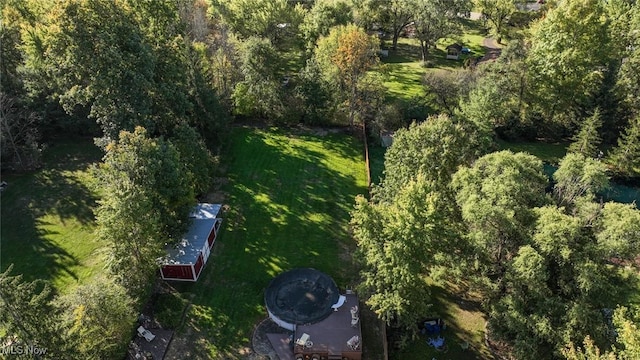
301,296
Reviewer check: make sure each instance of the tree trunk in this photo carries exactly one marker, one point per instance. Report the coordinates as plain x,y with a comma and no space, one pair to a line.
396,35
424,50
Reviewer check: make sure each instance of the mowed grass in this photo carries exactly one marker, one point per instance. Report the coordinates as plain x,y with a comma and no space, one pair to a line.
287,205
47,218
403,69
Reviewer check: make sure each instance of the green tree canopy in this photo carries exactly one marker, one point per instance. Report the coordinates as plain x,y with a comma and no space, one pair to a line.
98,318
344,56
434,148
147,197
570,53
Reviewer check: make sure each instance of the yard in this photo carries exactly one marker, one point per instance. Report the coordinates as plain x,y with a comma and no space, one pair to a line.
287,198
47,218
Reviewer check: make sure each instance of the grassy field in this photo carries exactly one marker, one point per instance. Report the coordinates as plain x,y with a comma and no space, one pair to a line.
47,218
287,199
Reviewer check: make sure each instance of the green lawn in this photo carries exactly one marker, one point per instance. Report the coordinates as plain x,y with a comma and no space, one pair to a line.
403,70
47,218
548,152
288,199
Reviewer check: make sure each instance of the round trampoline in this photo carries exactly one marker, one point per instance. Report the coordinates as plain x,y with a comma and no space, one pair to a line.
300,296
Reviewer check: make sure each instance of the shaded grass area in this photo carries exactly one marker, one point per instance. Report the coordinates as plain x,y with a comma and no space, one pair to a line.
548,152
376,160
47,218
464,333
287,205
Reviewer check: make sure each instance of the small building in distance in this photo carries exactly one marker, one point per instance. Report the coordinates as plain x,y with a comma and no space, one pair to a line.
186,259
454,51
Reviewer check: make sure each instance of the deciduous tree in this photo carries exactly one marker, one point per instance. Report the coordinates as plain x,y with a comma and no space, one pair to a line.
98,318
345,55
146,202
436,19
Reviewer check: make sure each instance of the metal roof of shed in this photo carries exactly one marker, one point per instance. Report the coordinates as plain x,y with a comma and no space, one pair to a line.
185,252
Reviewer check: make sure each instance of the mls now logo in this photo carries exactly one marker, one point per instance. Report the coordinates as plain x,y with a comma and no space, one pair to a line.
22,350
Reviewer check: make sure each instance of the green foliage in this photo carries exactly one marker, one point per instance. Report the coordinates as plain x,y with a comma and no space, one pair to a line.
586,141
148,195
434,148
628,341
618,230
497,13
498,98
436,19
259,18
98,318
396,243
579,176
199,163
344,57
497,196
259,93
570,51
626,156
27,316
625,29
323,16
19,139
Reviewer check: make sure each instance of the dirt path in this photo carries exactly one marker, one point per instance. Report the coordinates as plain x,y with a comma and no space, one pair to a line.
493,50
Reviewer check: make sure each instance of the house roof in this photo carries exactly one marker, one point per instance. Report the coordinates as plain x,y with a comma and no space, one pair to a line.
186,251
454,46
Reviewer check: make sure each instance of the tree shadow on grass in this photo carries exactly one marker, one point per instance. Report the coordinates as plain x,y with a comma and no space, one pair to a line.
289,202
37,207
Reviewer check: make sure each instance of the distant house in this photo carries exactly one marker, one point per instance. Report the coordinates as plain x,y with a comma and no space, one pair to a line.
185,260
386,138
454,51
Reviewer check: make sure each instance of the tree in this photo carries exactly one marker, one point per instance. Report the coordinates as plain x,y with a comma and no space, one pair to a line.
259,93
98,318
323,16
498,98
578,176
396,245
497,13
19,146
345,55
626,156
146,202
496,197
259,18
565,68
434,148
27,315
586,141
393,15
628,341
447,87
198,161
436,19
624,27
78,60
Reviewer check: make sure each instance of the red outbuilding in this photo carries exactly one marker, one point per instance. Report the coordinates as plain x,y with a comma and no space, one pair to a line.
185,260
